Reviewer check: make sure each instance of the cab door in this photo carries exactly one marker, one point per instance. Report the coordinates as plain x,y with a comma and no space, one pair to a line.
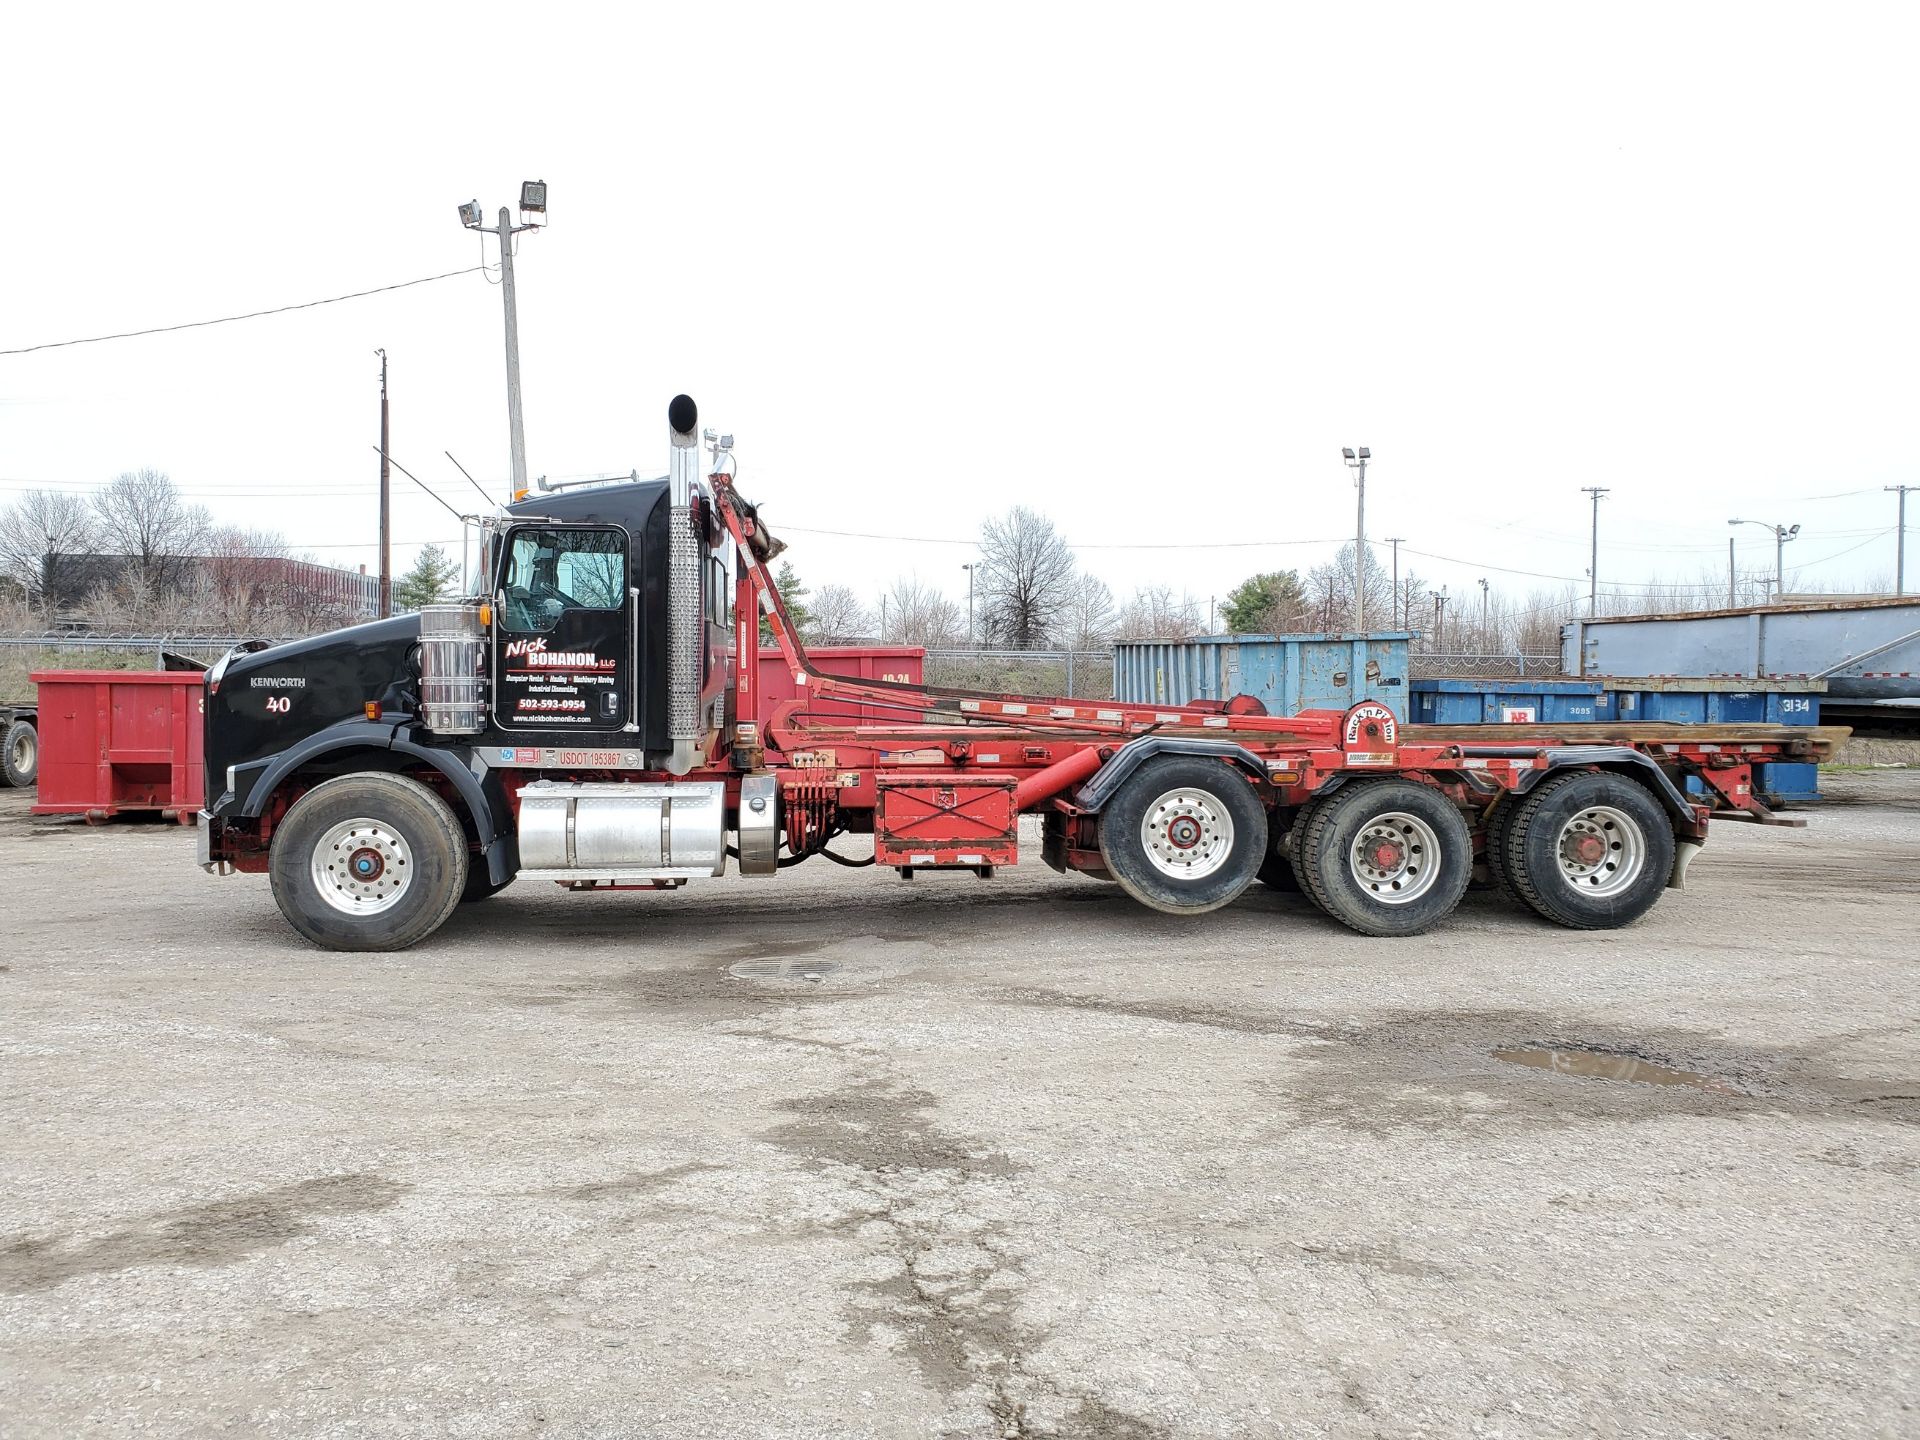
563,646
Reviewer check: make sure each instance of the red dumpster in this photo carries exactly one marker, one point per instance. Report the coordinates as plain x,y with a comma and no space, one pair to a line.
118,740
854,662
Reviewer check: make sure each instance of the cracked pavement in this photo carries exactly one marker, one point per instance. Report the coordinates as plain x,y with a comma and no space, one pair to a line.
837,1155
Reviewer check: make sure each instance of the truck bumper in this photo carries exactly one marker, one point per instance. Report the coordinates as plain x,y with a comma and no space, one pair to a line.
203,827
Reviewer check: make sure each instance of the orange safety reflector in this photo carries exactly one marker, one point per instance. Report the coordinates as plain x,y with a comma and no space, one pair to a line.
486,616
373,709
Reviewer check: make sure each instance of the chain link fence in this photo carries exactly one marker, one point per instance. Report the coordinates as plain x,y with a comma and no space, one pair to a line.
1083,674
1509,666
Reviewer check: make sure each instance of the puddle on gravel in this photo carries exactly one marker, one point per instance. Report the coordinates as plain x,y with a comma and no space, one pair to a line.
795,968
1607,1065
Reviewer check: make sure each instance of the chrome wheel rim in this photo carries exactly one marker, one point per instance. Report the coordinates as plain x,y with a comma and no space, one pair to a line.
1187,834
1395,857
1601,850
362,867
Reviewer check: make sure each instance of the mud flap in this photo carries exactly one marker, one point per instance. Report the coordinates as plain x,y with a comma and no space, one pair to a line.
1683,853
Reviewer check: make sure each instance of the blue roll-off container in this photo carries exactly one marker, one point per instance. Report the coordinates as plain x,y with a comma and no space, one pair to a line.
1663,700
1716,701
1286,673
1507,702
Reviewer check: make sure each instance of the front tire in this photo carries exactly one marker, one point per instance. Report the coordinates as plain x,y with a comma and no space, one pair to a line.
1385,857
1590,851
368,862
1184,835
20,756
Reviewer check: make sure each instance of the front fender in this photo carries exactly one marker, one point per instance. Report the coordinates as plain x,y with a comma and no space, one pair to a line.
250,800
1093,795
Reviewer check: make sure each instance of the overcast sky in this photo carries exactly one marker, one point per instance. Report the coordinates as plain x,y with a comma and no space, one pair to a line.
1145,269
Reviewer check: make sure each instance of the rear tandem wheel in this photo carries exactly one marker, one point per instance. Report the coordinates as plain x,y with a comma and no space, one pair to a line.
1184,834
1591,851
1385,857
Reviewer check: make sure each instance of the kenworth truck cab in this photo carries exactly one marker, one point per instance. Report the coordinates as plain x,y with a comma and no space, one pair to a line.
592,718
566,662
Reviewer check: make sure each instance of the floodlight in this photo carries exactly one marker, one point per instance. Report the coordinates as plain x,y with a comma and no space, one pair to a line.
470,214
1365,453
1792,530
1346,451
533,196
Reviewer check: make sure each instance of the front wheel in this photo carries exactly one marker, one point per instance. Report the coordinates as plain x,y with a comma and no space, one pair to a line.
1184,834
1590,851
368,862
1385,857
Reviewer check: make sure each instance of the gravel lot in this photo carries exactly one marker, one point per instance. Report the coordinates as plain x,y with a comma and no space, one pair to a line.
841,1155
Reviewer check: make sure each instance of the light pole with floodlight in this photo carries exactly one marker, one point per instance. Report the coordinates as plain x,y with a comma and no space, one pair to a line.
533,201
1781,535
969,570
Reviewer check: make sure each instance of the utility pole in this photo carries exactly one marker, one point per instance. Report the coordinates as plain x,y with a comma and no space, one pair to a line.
386,518
1900,541
1439,617
1593,563
1358,461
533,201
1483,614
1401,619
969,570
1731,602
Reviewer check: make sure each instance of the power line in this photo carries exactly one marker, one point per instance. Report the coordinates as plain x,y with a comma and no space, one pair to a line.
1074,544
250,315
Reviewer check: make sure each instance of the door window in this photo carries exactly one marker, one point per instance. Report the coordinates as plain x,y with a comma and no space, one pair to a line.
552,571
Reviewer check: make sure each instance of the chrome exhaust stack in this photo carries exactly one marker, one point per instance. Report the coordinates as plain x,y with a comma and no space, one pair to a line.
684,619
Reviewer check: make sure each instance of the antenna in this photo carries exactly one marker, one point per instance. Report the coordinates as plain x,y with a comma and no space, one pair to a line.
424,486
470,480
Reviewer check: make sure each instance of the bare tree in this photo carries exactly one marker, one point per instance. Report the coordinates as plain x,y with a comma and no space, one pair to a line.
1025,579
1086,620
142,515
39,534
1155,614
241,583
838,616
1331,589
917,614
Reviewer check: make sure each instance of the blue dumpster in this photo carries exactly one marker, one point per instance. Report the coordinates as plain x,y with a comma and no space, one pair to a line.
1286,673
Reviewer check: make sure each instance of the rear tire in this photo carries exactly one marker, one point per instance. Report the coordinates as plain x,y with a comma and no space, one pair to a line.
368,862
1386,857
1184,834
1590,851
20,757
1498,827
